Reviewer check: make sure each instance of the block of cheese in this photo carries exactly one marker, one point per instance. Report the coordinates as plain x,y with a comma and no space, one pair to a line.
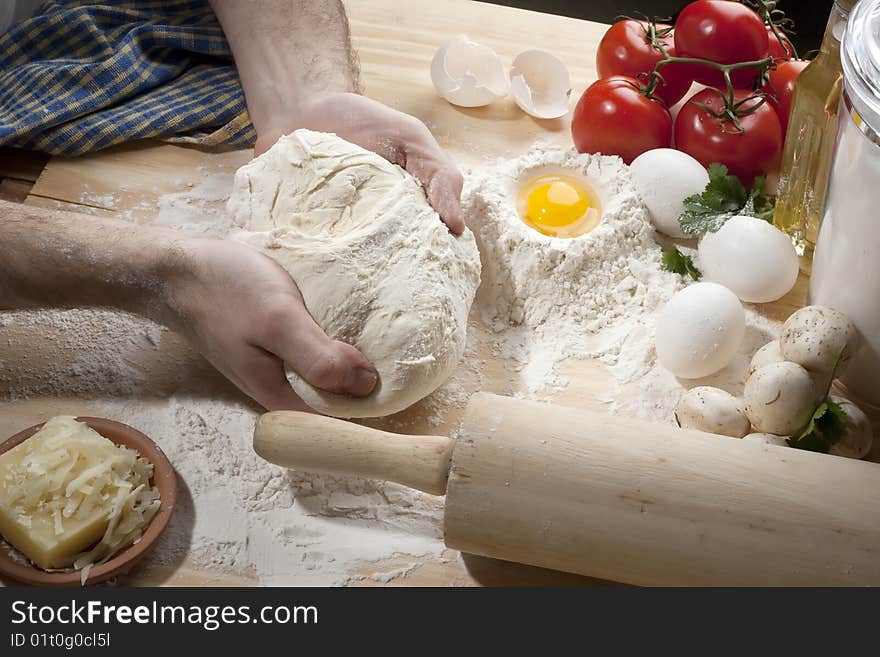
70,497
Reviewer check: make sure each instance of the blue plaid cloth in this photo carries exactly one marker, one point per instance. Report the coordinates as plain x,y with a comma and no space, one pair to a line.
81,76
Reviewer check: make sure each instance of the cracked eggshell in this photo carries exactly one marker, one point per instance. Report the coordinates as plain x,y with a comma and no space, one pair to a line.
467,73
540,84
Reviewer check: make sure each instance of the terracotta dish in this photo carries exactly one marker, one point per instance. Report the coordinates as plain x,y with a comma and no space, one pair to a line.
164,479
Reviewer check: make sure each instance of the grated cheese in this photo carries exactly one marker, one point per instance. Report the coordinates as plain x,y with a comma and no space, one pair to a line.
71,498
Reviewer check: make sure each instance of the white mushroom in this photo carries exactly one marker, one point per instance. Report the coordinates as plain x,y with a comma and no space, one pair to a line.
713,410
780,398
769,353
766,439
857,438
818,337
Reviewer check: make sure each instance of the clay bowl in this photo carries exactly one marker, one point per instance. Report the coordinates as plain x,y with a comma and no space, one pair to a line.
164,479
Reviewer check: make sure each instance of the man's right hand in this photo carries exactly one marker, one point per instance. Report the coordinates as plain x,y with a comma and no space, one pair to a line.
245,314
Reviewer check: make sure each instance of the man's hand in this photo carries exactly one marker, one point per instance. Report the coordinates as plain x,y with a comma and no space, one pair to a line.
239,308
396,136
298,70
245,314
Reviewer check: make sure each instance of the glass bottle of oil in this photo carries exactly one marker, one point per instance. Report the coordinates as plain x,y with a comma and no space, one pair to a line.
809,142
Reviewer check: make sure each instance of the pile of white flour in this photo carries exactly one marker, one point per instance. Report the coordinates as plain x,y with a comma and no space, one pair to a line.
542,303
547,298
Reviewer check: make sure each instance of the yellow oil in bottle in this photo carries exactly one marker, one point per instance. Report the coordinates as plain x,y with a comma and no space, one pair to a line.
809,142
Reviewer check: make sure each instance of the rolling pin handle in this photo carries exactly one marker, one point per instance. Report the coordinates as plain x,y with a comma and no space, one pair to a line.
314,443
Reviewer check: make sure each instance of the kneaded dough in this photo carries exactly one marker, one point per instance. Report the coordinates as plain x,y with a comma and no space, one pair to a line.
376,266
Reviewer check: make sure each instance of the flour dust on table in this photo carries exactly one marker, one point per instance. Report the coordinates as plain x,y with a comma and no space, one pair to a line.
544,302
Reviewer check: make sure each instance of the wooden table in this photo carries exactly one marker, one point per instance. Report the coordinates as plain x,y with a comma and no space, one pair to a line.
395,42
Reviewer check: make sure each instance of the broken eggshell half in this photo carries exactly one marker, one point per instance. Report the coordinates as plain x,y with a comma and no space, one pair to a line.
540,84
467,73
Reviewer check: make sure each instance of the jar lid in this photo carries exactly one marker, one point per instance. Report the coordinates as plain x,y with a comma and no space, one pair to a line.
860,58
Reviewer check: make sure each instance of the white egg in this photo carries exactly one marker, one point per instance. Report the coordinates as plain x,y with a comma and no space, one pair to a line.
467,73
540,84
700,330
664,178
751,257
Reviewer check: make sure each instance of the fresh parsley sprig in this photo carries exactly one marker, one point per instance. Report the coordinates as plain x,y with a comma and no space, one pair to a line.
724,197
678,263
825,429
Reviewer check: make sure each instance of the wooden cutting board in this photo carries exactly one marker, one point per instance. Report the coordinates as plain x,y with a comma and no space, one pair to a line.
395,42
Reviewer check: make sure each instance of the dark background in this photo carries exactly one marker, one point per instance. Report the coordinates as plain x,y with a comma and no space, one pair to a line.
809,16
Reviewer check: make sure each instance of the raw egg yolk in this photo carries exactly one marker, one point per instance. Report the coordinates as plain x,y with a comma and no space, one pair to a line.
558,205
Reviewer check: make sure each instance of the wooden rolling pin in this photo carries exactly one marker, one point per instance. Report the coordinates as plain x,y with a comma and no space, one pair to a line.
615,498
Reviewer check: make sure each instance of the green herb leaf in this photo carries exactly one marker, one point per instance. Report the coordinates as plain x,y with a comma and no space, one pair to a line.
825,429
679,263
759,204
723,198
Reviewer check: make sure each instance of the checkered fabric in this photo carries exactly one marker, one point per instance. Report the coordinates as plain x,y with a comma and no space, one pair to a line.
81,76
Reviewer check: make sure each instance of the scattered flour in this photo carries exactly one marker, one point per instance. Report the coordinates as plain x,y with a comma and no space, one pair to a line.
199,209
240,514
543,302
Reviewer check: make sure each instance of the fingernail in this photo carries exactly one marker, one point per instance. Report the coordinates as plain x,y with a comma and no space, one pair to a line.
362,381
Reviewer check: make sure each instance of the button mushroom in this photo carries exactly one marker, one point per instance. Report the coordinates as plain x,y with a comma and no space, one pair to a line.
766,439
857,438
780,398
713,410
769,353
819,338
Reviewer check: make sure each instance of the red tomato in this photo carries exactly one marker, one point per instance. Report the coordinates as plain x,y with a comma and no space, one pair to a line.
782,79
778,50
722,31
625,50
614,117
753,151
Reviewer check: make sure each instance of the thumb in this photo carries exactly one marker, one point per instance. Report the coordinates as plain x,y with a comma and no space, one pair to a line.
327,364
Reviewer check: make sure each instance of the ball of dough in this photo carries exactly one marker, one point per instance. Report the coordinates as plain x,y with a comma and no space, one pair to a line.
375,265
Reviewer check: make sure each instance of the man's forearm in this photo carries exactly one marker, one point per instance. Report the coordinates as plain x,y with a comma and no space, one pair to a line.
286,52
50,258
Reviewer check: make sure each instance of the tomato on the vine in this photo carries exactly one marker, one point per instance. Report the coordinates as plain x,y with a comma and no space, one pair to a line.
752,149
722,31
625,49
778,49
781,85
615,117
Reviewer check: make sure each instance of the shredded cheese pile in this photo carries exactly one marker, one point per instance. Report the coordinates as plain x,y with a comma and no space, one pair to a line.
70,471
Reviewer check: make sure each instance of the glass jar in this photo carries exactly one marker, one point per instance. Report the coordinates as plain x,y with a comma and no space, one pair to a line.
809,141
846,265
